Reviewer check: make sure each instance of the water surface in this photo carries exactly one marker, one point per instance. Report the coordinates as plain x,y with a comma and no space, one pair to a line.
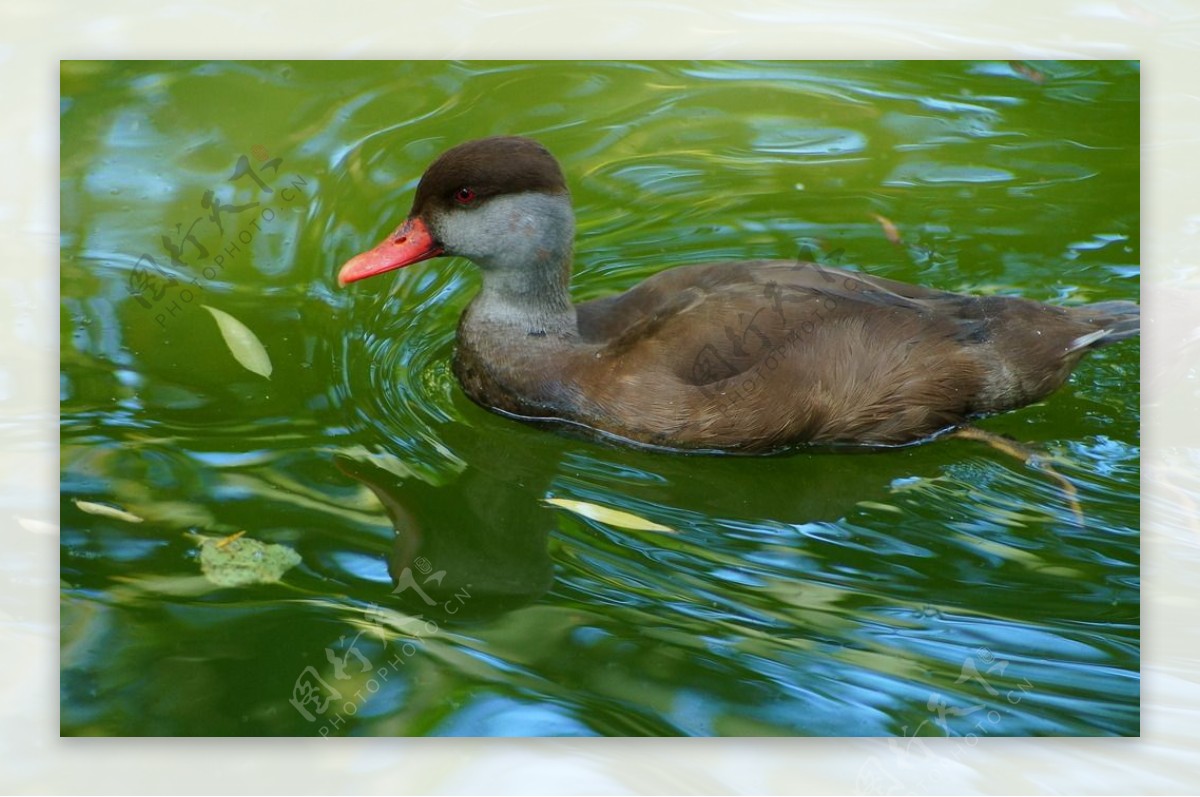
943,589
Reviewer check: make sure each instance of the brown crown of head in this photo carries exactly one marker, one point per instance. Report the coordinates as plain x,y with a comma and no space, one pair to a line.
488,167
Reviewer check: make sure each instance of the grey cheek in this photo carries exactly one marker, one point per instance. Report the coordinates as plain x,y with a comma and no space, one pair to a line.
520,222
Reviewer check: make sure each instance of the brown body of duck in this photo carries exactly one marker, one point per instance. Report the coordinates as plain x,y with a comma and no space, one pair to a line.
746,356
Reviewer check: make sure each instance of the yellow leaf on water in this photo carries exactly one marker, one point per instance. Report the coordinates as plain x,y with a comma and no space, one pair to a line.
890,231
608,516
243,344
107,511
881,507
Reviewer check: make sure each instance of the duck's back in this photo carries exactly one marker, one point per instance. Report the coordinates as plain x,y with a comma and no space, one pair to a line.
763,354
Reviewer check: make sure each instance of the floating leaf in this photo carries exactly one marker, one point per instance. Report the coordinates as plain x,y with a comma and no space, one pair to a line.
881,507
236,561
107,511
243,344
889,228
611,517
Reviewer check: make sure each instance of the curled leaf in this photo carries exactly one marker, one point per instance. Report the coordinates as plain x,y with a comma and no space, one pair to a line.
107,511
243,344
608,516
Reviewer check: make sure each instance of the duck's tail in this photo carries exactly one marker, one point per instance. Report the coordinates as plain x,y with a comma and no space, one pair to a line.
1112,321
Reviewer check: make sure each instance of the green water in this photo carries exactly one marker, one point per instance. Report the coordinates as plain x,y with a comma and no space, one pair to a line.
942,589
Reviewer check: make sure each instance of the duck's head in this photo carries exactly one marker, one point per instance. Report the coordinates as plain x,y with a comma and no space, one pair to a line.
500,202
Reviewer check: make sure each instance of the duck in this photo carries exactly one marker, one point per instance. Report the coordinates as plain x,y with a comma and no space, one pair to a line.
750,356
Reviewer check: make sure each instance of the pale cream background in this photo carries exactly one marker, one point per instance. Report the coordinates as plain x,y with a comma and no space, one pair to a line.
34,34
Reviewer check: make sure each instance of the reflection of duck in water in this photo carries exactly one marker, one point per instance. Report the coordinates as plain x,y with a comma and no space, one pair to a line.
471,549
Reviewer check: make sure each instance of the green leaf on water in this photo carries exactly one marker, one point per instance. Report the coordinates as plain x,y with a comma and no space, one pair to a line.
608,516
237,561
243,344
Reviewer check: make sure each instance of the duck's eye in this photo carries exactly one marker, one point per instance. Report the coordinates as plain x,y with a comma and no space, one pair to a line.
464,196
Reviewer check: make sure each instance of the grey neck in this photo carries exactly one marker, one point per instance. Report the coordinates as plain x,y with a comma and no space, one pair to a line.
522,244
